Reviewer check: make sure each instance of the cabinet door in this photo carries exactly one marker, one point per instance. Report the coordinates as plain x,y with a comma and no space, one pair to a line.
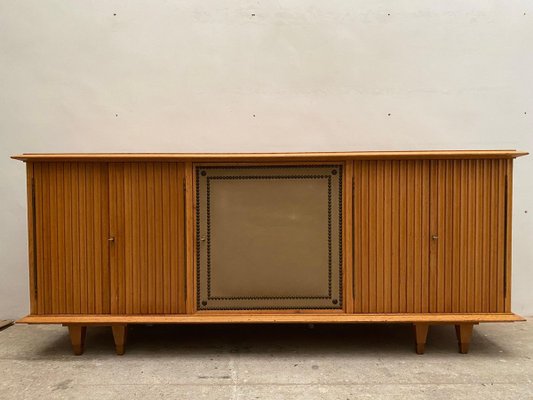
147,223
391,236
70,230
469,206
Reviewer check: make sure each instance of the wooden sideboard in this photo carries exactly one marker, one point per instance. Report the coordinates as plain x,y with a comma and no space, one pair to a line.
421,237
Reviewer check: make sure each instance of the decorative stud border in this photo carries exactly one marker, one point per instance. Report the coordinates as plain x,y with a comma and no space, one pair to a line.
201,171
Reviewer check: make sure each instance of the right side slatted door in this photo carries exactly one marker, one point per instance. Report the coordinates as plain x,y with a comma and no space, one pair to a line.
469,214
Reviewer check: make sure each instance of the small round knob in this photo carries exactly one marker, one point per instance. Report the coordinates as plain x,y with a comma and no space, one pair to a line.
111,239
434,237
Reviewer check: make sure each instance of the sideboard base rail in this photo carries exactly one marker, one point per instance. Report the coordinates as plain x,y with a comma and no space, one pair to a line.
222,318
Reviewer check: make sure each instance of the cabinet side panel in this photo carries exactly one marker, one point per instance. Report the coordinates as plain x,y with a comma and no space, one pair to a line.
32,228
391,226
71,238
508,234
147,221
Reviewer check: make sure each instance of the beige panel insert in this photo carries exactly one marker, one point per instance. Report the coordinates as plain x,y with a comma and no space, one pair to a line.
269,237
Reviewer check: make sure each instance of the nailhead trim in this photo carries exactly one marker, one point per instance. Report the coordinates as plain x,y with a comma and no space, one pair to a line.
263,177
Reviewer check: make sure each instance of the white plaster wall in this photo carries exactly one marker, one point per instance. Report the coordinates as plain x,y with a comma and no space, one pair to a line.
300,75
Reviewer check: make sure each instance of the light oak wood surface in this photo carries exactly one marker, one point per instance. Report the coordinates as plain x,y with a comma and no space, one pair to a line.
71,217
199,318
147,238
272,157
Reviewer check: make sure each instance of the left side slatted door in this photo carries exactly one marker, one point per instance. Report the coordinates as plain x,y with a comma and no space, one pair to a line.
147,224
70,220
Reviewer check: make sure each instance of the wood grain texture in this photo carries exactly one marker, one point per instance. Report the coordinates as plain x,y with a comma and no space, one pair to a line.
201,317
190,248
401,205
71,217
273,157
392,208
148,227
391,223
347,232
468,204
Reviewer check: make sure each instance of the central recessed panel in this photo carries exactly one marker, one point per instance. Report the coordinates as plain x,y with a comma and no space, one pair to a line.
269,237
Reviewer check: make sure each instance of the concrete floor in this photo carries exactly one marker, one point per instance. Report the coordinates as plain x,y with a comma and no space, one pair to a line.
268,362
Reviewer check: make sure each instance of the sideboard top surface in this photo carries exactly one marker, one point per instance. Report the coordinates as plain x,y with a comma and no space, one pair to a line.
273,157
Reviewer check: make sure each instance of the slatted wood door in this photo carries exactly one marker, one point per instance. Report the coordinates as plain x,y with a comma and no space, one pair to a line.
470,210
69,238
147,223
432,236
391,236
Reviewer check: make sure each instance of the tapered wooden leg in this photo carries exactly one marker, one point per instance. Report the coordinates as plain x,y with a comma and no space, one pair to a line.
119,334
464,333
421,333
77,338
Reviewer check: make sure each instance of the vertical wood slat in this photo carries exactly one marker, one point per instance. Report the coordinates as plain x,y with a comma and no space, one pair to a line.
89,212
402,257
395,238
357,237
69,251
53,282
378,240
372,231
409,237
190,256
391,233
165,193
361,259
478,229
151,278
486,236
75,237
71,230
39,236
148,257
470,223
348,202
387,237
500,258
425,261
435,215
